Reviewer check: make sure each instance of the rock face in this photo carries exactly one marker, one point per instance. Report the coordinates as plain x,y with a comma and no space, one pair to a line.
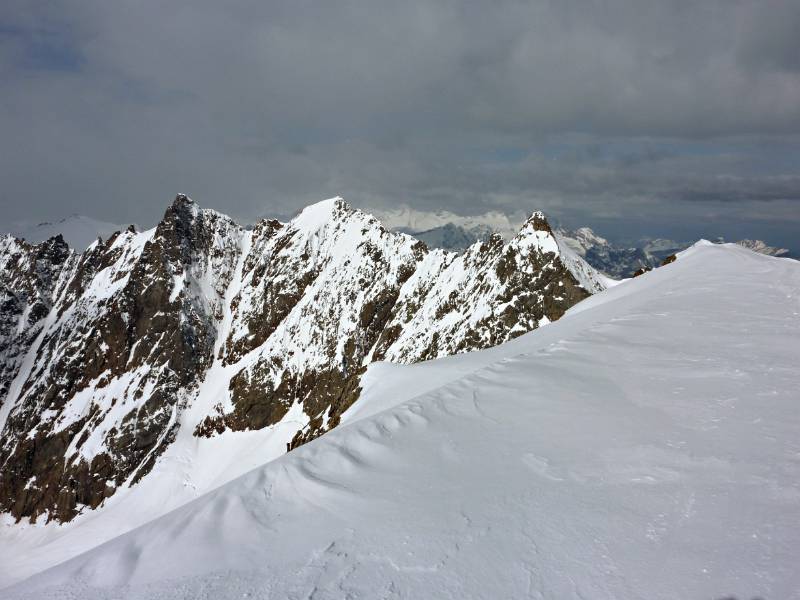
30,277
102,352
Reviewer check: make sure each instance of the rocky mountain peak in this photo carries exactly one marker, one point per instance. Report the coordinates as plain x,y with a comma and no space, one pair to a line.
179,216
55,250
535,236
537,222
183,201
201,328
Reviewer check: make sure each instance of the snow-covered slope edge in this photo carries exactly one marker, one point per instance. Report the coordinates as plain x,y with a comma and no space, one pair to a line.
645,446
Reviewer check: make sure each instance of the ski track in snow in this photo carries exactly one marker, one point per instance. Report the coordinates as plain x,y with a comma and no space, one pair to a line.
644,446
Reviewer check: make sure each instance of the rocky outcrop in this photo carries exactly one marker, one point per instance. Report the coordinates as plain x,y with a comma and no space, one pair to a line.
103,352
29,278
130,333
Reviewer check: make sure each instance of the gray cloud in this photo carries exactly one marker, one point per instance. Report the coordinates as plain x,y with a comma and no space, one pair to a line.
636,111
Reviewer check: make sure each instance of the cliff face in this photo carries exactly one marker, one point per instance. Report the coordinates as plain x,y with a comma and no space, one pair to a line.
101,353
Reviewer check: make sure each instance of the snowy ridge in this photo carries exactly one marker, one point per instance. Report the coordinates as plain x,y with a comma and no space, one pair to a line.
640,447
137,359
468,298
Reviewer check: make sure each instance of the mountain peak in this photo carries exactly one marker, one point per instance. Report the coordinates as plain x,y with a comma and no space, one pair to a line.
182,209
589,238
315,216
763,248
537,231
539,222
182,199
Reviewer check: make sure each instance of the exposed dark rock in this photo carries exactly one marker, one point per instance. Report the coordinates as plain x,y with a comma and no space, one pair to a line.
670,259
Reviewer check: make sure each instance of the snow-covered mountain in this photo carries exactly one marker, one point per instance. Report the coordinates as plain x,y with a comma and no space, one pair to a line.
643,446
448,231
78,231
613,260
620,261
148,348
763,248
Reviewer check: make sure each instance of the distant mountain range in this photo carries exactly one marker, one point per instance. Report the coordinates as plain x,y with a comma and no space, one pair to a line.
77,230
448,231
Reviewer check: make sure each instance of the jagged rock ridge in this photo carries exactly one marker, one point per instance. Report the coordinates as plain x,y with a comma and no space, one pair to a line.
103,352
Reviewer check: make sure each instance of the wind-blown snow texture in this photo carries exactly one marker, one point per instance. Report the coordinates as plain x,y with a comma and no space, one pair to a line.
146,347
645,446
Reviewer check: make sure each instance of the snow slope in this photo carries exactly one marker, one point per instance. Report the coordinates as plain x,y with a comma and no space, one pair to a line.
644,446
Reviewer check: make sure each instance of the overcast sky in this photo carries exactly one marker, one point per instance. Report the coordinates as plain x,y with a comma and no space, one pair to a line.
674,118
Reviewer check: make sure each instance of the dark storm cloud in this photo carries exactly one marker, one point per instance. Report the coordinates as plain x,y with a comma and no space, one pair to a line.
592,110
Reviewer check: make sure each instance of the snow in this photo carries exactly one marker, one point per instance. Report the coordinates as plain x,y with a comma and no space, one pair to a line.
109,281
349,258
643,446
455,293
335,244
315,216
590,278
541,240
29,362
177,286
